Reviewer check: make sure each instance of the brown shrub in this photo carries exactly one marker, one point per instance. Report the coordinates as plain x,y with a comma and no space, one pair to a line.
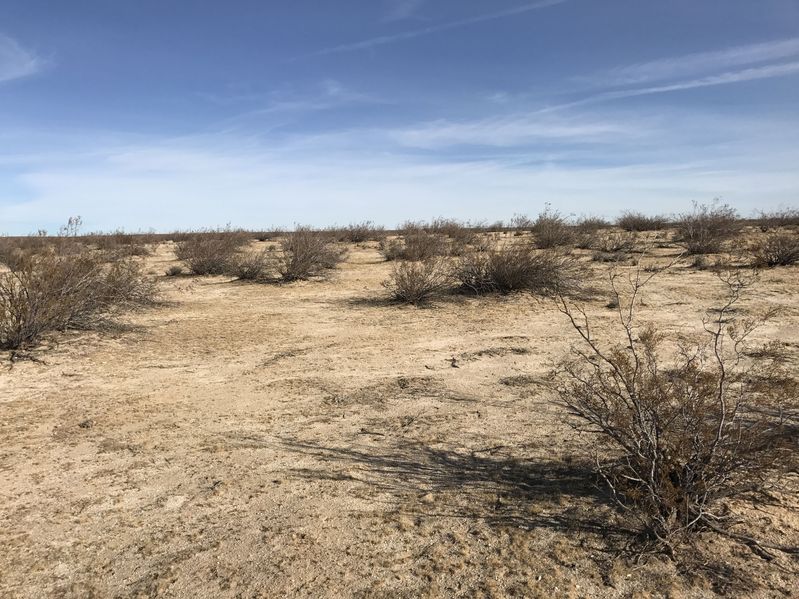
416,282
52,292
707,227
251,266
517,267
676,436
211,252
780,248
359,232
416,244
784,217
637,221
307,253
552,230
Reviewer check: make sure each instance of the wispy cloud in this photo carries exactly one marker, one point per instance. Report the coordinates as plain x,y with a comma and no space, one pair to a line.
513,130
399,10
16,61
740,76
700,63
457,24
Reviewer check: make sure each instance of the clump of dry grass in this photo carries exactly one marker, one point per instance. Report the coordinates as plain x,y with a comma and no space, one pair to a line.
210,252
52,292
307,253
517,267
674,437
417,282
780,248
707,227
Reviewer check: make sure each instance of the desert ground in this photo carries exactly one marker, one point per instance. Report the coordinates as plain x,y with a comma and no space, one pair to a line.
314,440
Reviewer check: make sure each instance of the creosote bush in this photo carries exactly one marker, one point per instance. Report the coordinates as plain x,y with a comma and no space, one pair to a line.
211,252
638,221
52,292
780,248
517,267
707,227
416,282
307,253
251,265
551,229
416,244
679,426
359,232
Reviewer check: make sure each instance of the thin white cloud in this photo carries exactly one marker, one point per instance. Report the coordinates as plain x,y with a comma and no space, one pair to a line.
750,74
513,130
692,65
399,10
16,61
457,24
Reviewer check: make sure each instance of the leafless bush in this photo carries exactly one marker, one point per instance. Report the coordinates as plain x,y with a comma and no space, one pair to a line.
637,221
174,271
251,266
780,248
119,244
212,252
416,244
614,241
52,292
784,217
520,222
707,227
307,253
675,436
417,282
517,267
551,229
359,232
588,224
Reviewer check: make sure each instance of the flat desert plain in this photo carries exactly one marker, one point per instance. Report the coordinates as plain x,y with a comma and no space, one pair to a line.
314,440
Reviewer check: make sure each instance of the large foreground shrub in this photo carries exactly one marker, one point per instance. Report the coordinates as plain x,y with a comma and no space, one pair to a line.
678,428
52,292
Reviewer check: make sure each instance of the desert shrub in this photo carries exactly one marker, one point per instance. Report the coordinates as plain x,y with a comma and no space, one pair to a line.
251,266
460,235
784,217
551,229
119,244
212,252
613,241
307,253
415,245
637,221
520,222
359,232
780,248
674,436
417,282
516,267
174,271
707,227
53,292
589,224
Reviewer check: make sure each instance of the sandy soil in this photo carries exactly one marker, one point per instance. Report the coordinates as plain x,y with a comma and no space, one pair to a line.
309,440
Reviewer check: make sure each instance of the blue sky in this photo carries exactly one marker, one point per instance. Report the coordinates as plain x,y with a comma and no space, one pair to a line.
178,114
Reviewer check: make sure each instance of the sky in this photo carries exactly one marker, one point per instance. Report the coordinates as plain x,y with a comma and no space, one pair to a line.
181,114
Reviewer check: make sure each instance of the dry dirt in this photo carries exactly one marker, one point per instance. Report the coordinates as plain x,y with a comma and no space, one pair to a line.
310,440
